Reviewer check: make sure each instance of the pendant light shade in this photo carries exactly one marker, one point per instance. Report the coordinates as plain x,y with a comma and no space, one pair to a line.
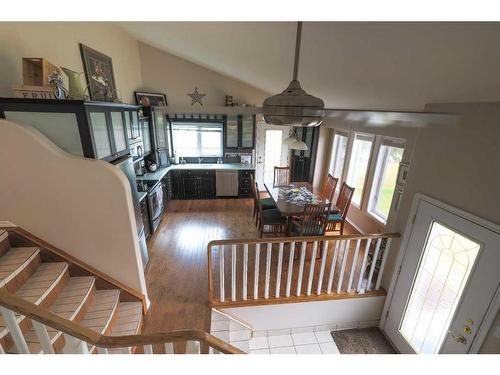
298,145
288,141
290,106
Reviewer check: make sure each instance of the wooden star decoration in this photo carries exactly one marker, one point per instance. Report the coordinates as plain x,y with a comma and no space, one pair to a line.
196,97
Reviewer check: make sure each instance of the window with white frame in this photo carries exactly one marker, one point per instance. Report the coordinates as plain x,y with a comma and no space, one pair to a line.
339,150
384,182
197,139
358,165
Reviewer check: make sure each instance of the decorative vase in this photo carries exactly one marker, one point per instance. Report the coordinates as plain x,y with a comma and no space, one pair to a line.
76,90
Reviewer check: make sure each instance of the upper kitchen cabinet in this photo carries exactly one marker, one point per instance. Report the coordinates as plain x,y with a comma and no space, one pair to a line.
302,162
98,130
239,133
160,127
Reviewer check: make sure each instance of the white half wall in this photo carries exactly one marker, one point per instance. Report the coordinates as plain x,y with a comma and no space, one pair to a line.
82,206
306,314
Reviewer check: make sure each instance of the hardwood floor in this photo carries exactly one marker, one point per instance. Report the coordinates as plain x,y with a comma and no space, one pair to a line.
176,275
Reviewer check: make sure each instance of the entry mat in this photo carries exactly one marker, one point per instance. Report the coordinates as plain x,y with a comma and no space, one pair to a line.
362,341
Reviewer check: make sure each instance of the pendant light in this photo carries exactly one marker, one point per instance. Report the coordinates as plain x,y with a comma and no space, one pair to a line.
291,137
298,145
289,107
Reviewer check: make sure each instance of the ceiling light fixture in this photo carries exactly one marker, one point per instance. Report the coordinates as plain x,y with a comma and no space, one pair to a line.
289,107
298,145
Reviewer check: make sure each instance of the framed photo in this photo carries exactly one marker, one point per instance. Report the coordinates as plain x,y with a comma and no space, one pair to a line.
402,173
99,74
148,99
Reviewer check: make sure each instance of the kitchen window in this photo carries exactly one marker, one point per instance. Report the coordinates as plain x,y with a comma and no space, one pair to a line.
384,182
338,156
197,139
358,165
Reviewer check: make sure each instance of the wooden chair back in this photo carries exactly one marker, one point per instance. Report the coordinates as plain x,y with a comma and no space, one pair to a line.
330,186
344,199
255,191
314,219
281,176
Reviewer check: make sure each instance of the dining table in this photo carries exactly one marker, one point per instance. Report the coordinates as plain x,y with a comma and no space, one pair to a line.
291,199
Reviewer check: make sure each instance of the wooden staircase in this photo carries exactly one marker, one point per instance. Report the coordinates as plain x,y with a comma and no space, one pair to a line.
28,272
51,302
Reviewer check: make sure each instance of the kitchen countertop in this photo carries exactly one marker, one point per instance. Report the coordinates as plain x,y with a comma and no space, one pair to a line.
161,172
142,195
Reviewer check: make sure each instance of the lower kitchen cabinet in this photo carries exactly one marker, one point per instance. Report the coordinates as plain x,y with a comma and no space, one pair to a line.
200,184
244,183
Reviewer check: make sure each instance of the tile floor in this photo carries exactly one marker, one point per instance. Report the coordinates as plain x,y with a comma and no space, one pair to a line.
320,342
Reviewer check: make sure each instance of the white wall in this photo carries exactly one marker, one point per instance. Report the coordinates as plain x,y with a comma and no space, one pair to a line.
82,206
306,314
176,77
58,42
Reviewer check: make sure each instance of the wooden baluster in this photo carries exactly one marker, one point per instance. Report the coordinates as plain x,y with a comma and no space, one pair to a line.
148,349
268,270
169,348
322,267
233,272
43,337
192,347
372,268
245,271
75,345
256,272
353,266
15,332
363,265
221,272
382,264
280,265
301,266
332,267
311,268
290,269
342,268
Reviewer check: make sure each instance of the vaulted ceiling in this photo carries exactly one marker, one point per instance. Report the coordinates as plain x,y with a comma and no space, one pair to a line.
392,66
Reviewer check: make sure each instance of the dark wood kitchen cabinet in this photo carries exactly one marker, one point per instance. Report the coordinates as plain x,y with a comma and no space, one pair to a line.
245,183
96,130
144,125
239,133
302,162
194,184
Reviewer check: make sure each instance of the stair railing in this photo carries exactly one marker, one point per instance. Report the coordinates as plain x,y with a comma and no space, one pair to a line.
78,338
244,272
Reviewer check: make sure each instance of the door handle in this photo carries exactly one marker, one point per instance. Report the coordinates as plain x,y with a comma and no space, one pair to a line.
458,338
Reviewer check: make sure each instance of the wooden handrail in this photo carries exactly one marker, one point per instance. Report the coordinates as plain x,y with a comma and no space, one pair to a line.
42,315
241,241
9,227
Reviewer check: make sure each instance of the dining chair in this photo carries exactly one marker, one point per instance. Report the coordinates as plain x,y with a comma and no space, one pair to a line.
313,220
266,203
330,186
343,204
281,176
270,221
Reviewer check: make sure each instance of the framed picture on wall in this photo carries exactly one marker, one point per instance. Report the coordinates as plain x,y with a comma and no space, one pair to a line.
147,99
402,173
99,74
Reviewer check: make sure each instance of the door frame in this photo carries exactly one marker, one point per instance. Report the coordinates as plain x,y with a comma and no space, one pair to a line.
495,303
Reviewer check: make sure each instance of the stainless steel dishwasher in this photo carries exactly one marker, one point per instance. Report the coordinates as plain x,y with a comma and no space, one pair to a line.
226,183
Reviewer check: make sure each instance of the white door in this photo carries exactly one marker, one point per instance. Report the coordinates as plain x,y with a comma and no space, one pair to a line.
448,278
270,151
